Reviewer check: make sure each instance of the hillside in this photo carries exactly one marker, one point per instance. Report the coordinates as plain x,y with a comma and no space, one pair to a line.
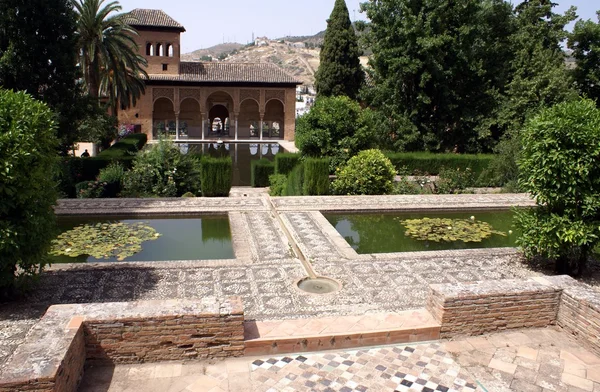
299,56
213,51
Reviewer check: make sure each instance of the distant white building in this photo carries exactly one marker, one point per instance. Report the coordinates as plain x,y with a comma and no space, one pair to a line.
261,41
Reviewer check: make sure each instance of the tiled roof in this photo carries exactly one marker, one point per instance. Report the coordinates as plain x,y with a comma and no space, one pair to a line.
152,18
229,73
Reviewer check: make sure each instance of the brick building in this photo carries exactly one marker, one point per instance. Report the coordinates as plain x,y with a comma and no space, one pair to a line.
207,100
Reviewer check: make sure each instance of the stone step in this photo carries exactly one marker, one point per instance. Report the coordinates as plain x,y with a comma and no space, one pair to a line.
328,333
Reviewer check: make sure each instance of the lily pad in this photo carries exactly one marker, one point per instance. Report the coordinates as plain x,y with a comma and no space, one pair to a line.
449,230
104,241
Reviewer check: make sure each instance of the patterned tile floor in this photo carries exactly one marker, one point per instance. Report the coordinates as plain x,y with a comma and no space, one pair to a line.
538,360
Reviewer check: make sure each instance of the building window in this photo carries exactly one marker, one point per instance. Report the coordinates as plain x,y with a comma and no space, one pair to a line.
165,67
169,50
149,49
159,50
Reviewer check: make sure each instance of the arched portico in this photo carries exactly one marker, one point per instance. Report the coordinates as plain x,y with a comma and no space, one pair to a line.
219,105
163,118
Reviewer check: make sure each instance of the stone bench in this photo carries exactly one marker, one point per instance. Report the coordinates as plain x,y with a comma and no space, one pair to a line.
54,353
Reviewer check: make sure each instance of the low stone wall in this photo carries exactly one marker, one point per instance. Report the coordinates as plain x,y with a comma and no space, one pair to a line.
579,313
489,306
52,357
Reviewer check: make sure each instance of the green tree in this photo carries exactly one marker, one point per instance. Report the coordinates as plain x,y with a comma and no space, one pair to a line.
38,55
109,56
585,43
539,75
335,127
340,72
27,188
438,69
560,167
368,173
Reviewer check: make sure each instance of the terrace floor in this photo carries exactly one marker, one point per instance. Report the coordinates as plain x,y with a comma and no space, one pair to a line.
538,360
267,265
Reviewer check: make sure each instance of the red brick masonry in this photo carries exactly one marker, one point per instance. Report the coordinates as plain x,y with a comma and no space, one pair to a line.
56,349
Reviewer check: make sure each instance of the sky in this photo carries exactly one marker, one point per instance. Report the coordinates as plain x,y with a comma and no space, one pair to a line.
209,23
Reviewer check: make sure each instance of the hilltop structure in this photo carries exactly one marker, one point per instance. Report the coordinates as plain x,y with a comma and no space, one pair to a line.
196,100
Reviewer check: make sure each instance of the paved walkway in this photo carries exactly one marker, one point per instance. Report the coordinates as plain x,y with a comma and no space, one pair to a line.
540,360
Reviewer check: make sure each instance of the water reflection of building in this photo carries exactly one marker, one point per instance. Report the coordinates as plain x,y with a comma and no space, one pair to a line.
199,101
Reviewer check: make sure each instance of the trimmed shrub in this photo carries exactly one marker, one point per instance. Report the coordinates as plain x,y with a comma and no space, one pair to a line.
162,171
260,172
285,162
277,184
216,176
90,189
294,182
316,177
368,173
416,163
112,176
455,180
27,189
127,146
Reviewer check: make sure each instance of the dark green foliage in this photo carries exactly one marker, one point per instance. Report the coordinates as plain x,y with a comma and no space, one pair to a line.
439,68
419,163
285,162
294,182
125,147
27,188
161,170
216,176
368,173
277,184
260,172
95,124
38,55
340,72
560,168
73,170
336,127
539,75
316,177
585,43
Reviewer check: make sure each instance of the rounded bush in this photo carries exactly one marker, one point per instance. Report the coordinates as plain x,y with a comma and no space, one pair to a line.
368,173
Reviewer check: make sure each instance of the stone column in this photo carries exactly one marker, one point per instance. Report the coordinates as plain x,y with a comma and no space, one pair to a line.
262,116
177,126
202,126
236,128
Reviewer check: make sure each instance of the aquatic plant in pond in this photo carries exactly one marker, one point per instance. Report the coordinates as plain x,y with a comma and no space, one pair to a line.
104,240
449,230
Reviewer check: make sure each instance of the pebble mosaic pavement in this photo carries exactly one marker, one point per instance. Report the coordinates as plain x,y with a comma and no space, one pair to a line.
264,277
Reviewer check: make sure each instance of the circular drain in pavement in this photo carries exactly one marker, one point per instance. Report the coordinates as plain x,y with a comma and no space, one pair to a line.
318,285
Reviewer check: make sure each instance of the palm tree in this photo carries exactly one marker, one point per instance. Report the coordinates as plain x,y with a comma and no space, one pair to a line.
109,58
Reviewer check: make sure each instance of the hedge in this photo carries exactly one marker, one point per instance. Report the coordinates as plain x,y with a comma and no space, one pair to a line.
285,162
424,163
260,172
316,177
216,176
125,147
294,183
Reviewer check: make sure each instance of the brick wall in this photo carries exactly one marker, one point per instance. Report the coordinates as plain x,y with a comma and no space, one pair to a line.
579,313
165,338
53,355
483,307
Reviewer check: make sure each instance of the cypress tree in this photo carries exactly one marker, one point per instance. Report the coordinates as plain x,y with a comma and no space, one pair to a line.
340,72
